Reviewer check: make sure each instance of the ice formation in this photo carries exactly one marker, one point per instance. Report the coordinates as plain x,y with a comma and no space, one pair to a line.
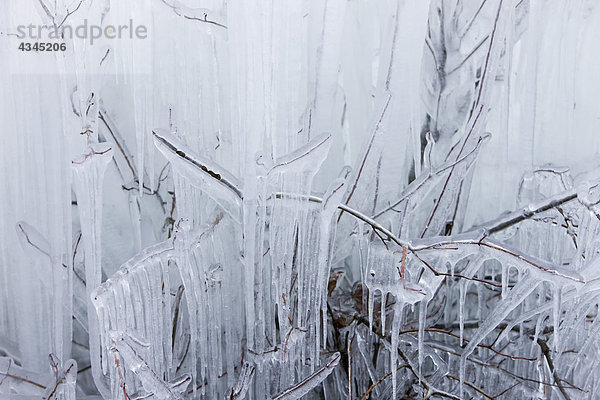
300,199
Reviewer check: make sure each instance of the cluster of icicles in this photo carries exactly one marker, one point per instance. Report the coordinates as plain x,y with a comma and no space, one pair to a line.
171,318
187,317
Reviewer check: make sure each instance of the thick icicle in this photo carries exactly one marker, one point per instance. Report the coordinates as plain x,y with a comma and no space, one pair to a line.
89,180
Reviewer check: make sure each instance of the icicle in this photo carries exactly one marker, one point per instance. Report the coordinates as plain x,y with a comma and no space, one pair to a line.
421,333
65,380
480,296
383,311
516,295
504,279
126,347
395,334
241,387
88,180
556,314
331,200
461,309
33,241
371,306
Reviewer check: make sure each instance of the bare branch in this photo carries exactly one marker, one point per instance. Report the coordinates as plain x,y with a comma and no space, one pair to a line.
189,13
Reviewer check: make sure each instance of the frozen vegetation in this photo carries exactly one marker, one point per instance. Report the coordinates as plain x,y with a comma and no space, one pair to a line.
285,199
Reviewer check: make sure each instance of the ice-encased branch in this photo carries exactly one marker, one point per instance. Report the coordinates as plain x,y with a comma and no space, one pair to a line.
449,244
126,345
527,212
428,174
312,381
173,149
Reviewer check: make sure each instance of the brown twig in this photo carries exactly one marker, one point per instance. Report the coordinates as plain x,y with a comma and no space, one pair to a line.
546,352
469,384
20,378
120,146
44,252
180,290
421,181
178,12
387,374
69,13
365,155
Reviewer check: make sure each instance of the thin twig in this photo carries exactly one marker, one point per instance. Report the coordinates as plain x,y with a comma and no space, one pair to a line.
364,397
443,243
527,212
177,11
311,381
421,181
365,155
469,384
176,314
469,55
20,378
546,352
477,106
69,13
120,146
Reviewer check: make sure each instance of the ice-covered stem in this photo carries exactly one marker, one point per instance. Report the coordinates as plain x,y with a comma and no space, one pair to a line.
243,384
431,389
126,346
396,103
357,214
475,388
174,150
88,180
428,174
64,387
326,235
35,240
30,238
468,239
406,362
454,335
547,355
356,176
380,380
311,382
20,377
176,314
527,212
362,319
119,370
127,168
474,126
115,138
